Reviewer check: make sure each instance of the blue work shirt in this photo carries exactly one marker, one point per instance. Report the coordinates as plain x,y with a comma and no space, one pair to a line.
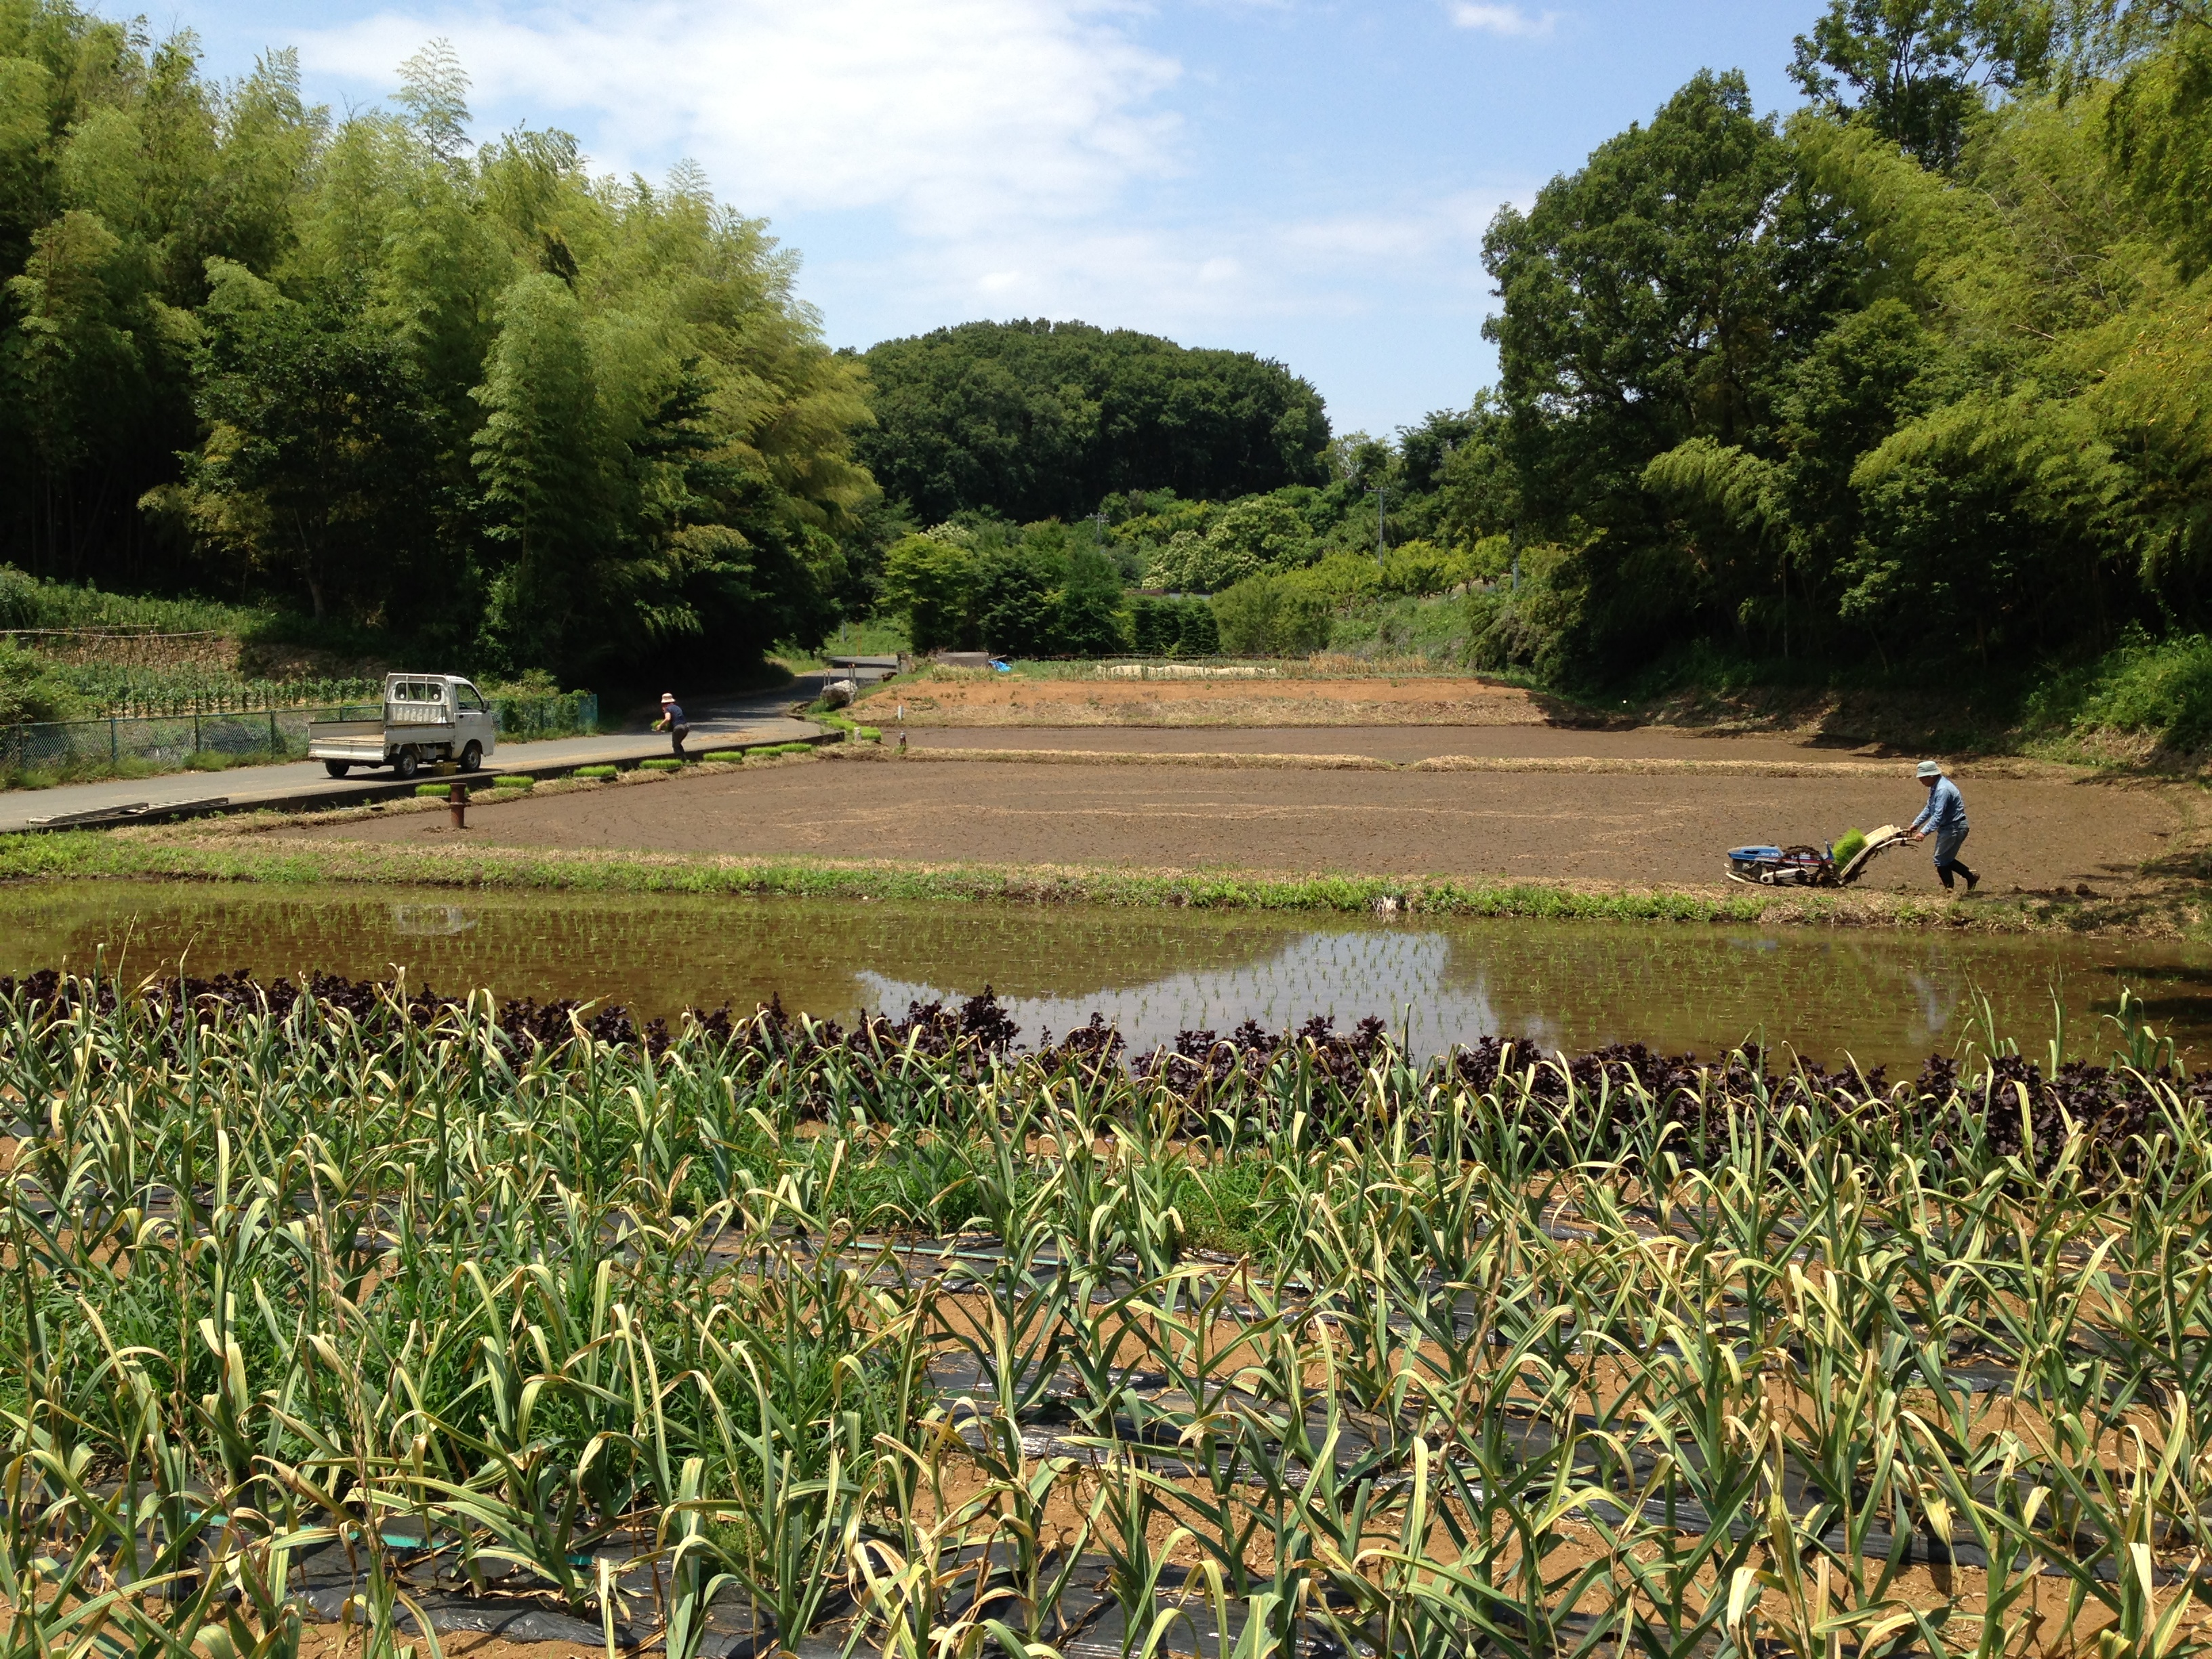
1945,811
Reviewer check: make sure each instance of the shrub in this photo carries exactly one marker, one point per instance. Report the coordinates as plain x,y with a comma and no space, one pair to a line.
2157,688
596,772
29,601
1534,623
931,580
1172,628
1421,568
1343,579
28,690
1198,636
1270,616
1217,562
1260,532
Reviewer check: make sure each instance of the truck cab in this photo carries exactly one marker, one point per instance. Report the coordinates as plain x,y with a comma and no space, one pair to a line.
427,719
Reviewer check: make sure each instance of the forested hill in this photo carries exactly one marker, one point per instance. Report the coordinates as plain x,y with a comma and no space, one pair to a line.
473,396
1039,420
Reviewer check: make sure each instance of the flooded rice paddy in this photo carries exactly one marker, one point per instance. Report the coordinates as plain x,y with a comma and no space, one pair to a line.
1882,997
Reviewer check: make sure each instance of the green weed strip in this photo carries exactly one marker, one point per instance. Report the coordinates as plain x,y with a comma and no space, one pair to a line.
362,1303
239,851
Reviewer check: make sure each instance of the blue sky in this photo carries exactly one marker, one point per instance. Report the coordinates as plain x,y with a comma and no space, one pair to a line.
1304,180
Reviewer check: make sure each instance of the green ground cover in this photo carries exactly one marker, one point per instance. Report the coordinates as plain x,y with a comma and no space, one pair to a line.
184,855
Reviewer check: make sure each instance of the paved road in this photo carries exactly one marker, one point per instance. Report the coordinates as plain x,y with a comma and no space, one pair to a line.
758,719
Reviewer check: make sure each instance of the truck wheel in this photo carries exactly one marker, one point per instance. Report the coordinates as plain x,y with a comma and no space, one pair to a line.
338,768
404,764
472,757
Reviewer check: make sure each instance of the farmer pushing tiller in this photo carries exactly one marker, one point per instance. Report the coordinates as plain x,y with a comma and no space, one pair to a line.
1944,818
1846,860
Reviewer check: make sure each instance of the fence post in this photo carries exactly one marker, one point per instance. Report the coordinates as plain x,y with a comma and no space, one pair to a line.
114,742
273,749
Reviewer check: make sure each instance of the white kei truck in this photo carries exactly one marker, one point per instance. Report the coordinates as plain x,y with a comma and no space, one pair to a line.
427,718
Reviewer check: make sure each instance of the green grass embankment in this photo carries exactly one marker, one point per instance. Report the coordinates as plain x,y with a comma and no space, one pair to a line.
173,854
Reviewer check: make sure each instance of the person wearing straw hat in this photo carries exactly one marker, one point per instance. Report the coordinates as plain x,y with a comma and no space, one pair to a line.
1944,818
672,721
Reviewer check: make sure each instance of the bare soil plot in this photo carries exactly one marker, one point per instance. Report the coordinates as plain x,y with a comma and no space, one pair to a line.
2033,833
1014,700
1390,742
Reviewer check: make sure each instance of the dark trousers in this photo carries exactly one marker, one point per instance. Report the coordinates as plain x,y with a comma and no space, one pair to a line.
1947,863
676,736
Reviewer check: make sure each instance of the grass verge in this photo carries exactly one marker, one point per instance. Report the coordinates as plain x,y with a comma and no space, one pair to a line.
175,853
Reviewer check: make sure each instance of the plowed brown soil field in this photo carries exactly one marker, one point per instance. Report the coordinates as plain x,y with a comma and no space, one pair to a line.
1667,826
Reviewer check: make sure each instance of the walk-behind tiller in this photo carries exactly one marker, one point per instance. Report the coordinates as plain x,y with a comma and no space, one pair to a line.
1809,866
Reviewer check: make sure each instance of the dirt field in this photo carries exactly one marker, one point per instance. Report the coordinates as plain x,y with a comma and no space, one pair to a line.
2032,834
1390,742
1013,700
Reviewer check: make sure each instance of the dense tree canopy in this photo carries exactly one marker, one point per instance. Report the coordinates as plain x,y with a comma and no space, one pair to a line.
1917,72
1037,419
474,396
1846,389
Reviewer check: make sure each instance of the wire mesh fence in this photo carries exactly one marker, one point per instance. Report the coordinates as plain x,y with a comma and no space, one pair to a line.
276,734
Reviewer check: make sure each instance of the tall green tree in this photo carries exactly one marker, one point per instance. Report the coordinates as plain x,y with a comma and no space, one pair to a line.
1918,72
1657,296
546,457
318,443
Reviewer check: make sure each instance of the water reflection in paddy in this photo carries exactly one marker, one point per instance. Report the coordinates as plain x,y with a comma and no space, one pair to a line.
1882,996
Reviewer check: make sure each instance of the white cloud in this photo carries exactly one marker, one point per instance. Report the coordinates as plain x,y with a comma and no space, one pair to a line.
1206,281
1509,21
936,160
954,113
